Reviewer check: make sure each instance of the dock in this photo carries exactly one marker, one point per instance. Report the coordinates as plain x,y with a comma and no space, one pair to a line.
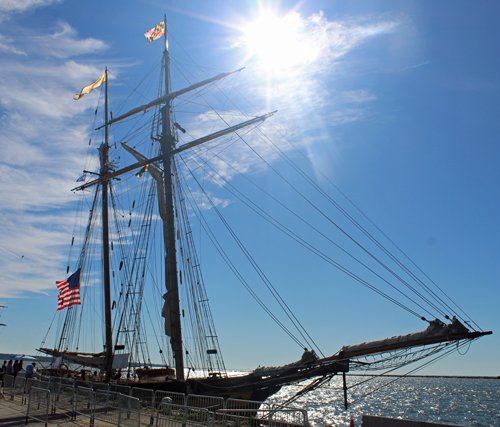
64,402
13,413
56,402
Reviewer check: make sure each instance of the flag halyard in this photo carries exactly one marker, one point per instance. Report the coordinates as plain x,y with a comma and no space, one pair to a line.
69,291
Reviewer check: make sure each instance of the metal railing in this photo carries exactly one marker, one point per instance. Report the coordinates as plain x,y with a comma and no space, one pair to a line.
83,405
146,397
51,395
123,389
113,407
250,405
212,403
171,415
264,417
18,388
106,406
177,398
38,405
64,400
288,416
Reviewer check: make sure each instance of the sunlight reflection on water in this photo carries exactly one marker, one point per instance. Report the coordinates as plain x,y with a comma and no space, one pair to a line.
460,401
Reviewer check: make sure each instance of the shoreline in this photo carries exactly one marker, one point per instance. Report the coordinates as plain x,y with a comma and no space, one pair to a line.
485,377
48,359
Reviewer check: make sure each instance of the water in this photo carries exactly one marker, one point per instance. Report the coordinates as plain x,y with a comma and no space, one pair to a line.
460,401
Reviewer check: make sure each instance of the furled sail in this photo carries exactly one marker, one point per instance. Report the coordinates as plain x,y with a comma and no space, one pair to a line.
165,313
436,332
94,360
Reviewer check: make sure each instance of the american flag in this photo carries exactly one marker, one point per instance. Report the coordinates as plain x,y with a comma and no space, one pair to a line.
69,291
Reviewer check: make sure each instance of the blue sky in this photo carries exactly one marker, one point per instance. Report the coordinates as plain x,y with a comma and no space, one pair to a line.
395,102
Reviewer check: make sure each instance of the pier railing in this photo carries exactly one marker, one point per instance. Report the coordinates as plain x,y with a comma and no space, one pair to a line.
38,405
123,405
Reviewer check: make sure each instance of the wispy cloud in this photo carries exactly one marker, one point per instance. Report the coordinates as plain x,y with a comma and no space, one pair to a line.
324,43
10,7
64,43
43,134
358,96
38,240
23,5
6,46
308,108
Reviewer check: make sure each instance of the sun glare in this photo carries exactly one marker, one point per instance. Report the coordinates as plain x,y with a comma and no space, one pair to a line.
279,42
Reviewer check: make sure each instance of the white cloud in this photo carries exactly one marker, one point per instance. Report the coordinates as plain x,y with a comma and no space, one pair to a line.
203,204
6,46
298,87
43,138
307,106
44,132
64,44
356,96
23,5
35,245
313,42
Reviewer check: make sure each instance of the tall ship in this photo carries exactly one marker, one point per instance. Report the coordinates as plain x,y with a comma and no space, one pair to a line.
134,307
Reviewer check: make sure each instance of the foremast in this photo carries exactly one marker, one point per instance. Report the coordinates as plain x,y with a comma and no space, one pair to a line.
104,170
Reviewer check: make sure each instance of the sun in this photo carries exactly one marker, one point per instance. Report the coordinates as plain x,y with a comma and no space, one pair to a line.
279,42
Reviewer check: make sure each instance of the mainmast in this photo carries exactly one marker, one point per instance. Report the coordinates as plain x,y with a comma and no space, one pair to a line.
171,281
104,158
171,309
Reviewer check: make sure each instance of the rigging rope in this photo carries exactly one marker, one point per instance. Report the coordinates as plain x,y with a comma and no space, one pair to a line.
233,268
386,251
365,232
311,248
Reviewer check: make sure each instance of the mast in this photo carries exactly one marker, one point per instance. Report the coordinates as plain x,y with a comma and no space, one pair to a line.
171,280
171,310
104,158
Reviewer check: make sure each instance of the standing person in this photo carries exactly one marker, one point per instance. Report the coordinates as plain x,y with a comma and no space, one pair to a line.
14,368
30,370
3,370
10,368
18,368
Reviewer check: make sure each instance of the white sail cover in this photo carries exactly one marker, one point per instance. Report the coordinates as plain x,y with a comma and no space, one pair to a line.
120,361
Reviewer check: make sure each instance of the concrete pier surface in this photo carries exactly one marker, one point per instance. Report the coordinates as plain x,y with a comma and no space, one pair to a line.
13,414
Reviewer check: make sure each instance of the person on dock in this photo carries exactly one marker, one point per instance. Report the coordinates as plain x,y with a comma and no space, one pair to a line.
30,370
10,368
18,366
3,371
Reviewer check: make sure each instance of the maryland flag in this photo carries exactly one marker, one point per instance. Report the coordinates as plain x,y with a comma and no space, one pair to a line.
155,32
91,87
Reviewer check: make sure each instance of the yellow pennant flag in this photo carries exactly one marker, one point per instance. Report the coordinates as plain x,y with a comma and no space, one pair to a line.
91,87
144,169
